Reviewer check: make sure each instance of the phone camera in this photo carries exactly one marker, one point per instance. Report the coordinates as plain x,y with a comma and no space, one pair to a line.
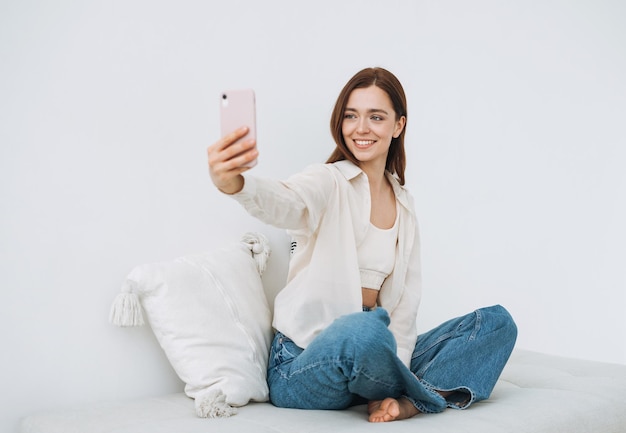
224,96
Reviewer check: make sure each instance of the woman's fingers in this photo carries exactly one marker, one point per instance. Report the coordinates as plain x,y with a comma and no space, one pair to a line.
228,158
233,156
228,139
227,147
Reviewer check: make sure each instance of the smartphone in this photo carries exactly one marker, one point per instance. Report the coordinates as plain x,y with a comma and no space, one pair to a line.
237,109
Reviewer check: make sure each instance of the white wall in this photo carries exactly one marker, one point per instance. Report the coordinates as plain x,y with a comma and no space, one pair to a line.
516,147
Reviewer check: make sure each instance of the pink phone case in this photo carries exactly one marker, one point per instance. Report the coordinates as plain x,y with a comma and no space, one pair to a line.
238,109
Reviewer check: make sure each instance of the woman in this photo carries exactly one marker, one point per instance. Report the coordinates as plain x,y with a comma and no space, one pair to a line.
346,320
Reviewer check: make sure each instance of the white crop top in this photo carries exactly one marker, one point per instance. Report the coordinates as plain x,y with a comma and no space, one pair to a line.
377,255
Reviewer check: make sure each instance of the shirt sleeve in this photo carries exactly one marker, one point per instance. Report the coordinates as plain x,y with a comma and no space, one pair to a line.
297,203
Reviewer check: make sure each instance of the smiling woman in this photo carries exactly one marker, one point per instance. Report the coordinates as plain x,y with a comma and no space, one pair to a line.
353,290
369,126
394,94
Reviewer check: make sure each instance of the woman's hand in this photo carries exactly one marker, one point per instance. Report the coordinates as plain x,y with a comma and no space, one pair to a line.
227,160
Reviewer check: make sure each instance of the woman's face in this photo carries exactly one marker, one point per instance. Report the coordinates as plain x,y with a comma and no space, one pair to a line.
369,124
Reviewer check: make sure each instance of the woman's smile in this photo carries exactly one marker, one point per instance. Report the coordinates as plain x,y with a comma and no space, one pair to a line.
364,143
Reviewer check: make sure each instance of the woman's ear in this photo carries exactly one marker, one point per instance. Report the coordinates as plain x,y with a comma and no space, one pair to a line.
399,126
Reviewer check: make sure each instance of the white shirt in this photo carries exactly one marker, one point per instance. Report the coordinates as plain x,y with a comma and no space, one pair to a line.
326,209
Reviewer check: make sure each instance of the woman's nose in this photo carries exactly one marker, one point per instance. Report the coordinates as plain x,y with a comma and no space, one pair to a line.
363,126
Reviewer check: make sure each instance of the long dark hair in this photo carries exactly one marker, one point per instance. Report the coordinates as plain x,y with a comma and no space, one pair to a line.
385,80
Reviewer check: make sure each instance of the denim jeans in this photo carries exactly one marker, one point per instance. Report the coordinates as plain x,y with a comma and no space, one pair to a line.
354,360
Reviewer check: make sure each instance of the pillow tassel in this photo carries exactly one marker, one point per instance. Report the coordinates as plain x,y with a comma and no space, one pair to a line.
213,405
126,309
260,248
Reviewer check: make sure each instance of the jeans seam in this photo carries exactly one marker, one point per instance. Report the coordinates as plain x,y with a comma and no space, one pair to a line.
443,337
477,325
330,362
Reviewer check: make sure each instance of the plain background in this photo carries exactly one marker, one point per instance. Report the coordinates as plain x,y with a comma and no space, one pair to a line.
516,152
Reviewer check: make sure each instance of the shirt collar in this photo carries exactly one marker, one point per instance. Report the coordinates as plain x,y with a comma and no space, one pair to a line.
350,171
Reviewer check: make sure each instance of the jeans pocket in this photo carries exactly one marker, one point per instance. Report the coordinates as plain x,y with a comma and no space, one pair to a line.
283,350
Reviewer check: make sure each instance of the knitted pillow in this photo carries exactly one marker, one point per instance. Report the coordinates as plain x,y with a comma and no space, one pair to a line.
211,317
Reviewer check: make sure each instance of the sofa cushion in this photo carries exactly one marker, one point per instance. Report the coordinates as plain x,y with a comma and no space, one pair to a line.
537,393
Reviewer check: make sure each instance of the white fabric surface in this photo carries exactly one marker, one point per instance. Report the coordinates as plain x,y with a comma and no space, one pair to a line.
536,393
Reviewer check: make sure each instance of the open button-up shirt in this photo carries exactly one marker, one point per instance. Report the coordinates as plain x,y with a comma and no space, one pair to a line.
326,209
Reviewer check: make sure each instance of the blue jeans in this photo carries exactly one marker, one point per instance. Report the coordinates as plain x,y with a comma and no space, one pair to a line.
354,360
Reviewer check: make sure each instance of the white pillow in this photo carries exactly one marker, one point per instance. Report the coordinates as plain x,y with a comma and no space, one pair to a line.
211,317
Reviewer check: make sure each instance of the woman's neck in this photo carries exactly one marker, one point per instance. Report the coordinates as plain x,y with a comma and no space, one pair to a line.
383,210
377,179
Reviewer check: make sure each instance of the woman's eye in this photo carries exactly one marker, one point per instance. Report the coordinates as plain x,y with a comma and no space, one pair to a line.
377,118
349,116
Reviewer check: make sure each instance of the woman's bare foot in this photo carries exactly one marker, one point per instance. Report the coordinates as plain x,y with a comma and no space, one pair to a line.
390,409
